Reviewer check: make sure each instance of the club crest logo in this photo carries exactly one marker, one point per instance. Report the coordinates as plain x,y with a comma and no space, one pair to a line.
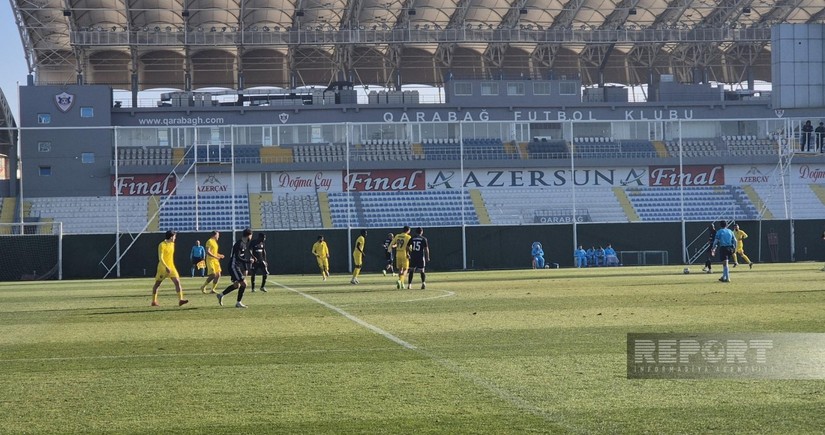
442,179
779,113
633,177
211,179
754,171
284,117
64,101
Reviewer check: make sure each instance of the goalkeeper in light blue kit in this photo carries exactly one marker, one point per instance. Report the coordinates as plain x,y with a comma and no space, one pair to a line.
538,255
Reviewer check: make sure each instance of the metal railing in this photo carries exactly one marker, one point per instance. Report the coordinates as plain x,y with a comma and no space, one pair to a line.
226,37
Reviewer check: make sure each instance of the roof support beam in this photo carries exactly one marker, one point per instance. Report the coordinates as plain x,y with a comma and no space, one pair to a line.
544,55
444,52
599,54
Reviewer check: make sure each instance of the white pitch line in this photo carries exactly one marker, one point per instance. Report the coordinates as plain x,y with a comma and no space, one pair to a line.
349,316
505,395
446,294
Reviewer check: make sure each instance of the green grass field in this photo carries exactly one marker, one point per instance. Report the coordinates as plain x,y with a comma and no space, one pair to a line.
477,352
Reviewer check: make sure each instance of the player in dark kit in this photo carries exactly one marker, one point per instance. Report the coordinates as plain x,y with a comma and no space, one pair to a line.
240,261
711,238
388,251
419,249
259,252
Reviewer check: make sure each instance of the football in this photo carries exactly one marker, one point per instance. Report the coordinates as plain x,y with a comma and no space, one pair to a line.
686,271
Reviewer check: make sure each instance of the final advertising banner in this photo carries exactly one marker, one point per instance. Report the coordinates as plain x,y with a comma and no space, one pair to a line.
143,185
384,180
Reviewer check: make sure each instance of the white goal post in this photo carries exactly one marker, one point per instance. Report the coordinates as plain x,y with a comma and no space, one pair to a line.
31,251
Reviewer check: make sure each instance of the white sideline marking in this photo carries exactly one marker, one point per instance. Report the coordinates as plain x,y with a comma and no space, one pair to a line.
505,395
349,316
446,294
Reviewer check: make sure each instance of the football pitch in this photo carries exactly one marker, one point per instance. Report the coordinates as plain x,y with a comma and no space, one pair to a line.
493,352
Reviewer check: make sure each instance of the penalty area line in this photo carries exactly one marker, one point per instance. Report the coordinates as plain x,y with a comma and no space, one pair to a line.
465,374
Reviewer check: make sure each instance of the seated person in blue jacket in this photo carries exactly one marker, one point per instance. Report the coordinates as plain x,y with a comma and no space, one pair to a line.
600,256
580,257
591,256
610,257
538,255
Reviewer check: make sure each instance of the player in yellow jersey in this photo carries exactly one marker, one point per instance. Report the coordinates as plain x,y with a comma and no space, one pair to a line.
358,256
321,253
213,262
740,246
402,258
166,268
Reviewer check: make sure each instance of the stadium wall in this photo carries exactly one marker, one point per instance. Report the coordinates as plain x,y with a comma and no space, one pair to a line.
487,247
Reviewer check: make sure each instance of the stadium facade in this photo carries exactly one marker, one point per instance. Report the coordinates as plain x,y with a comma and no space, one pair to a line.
499,152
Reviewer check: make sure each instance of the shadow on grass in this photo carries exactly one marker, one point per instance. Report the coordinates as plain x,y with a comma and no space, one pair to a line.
561,275
115,296
148,310
797,291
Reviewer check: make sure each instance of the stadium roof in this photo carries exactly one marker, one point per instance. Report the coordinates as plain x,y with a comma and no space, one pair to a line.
244,43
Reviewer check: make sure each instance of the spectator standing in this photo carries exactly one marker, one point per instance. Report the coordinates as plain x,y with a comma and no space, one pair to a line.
805,140
820,137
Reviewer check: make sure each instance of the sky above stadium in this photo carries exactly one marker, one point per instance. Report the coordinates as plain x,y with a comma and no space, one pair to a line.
14,62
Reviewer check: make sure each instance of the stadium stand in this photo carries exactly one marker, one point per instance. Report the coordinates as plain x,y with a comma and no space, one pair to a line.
373,150
637,148
701,203
393,209
487,149
547,149
212,212
313,153
807,201
441,149
291,211
143,156
91,214
525,206
596,148
749,146
694,148
224,154
7,206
